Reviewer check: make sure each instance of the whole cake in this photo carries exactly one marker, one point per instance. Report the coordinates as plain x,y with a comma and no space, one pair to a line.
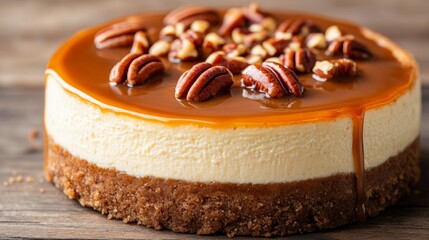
237,121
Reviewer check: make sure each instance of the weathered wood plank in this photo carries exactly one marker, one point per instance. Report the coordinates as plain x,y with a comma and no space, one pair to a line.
25,212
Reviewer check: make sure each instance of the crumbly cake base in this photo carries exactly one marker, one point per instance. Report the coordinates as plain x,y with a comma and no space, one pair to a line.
232,209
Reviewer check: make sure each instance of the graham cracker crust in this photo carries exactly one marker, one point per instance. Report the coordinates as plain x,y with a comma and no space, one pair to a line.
232,209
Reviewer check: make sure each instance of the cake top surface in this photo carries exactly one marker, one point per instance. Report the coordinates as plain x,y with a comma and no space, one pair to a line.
83,69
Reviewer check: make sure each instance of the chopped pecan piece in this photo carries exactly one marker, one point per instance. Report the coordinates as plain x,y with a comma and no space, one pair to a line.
298,27
275,47
315,40
273,79
171,32
141,43
160,48
234,64
118,35
136,68
187,15
332,33
349,48
187,48
212,43
248,38
300,60
324,70
260,51
235,50
203,81
201,26
268,24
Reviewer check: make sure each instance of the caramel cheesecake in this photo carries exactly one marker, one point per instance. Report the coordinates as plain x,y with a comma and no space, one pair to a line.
237,121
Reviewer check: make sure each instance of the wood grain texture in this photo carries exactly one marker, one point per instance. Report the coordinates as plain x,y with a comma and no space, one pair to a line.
32,30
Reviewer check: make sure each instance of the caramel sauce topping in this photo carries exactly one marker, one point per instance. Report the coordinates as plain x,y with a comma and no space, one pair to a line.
86,69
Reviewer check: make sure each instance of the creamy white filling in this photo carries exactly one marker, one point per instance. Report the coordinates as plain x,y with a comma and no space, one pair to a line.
287,153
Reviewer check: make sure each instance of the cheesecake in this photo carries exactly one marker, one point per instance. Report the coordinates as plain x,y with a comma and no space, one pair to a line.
252,157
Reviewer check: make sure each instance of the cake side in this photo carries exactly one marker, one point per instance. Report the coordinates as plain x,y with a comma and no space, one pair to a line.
234,209
240,155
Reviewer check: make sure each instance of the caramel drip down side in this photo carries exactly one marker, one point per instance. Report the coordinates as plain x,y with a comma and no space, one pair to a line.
359,162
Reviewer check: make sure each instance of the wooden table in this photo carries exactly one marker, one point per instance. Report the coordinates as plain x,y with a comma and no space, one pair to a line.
32,30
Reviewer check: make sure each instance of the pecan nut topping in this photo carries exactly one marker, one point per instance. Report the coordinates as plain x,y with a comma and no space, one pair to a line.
233,18
324,70
187,15
187,48
118,35
273,79
298,27
234,64
212,43
349,48
135,69
253,13
203,81
141,43
301,60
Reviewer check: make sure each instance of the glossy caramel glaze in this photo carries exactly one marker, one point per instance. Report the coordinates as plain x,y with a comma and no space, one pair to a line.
85,71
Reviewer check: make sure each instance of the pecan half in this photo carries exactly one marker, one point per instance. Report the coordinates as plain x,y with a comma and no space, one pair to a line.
300,60
234,64
298,26
187,15
324,70
203,81
118,35
273,79
349,48
136,68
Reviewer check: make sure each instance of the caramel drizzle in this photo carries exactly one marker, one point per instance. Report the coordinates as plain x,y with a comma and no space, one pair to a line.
359,162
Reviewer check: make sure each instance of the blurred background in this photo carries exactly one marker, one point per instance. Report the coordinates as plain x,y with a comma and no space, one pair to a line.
32,30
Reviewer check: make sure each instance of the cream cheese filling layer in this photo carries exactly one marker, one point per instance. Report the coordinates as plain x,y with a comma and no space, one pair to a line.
238,155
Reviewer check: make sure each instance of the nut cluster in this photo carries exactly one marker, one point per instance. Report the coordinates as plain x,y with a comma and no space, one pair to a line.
270,55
